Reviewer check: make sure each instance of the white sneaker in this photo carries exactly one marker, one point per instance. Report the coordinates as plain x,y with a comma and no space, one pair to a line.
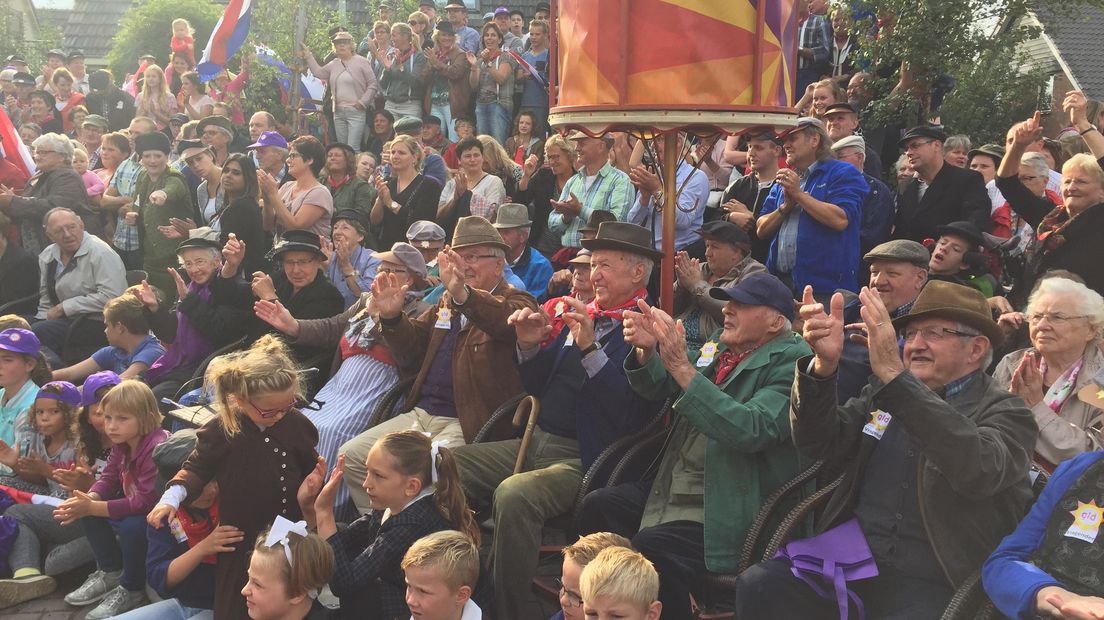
16,591
118,601
94,588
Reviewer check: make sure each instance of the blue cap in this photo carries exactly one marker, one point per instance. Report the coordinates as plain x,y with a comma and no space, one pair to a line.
22,341
94,383
61,390
758,289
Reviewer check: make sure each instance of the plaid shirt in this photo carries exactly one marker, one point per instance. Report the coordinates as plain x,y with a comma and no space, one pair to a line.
124,181
814,34
368,555
611,191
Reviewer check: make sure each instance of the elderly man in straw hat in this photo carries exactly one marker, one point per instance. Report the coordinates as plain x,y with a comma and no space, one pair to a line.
935,457
527,263
572,356
461,351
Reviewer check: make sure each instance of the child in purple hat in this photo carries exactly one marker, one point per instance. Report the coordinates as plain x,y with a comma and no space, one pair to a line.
19,355
44,440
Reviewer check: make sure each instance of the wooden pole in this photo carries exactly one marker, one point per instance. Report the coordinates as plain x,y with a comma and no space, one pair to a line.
670,203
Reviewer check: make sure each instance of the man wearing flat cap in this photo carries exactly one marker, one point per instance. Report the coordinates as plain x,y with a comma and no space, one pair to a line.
729,446
934,454
940,194
460,351
571,355
526,262
880,204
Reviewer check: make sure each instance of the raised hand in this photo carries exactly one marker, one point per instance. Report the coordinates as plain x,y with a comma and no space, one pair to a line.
823,331
1026,133
232,255
181,287
531,326
328,494
262,286
688,270
275,314
452,274
637,328
147,296
645,180
266,183
388,295
579,322
1074,104
529,168
1027,381
312,485
885,355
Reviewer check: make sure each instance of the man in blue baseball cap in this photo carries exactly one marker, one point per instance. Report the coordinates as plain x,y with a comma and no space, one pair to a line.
19,349
729,447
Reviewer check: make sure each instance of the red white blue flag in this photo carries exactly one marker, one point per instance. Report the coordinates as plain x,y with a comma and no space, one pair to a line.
226,39
12,148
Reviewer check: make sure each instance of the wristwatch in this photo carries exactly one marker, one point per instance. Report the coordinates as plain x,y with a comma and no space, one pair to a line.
591,349
352,274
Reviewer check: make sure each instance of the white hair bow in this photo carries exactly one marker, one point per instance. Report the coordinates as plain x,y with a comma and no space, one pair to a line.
278,535
434,451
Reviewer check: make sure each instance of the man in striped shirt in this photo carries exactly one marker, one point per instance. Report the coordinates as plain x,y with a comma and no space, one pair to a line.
597,186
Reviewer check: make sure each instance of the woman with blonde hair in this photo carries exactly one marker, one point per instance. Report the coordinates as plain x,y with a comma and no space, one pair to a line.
406,196
497,161
156,101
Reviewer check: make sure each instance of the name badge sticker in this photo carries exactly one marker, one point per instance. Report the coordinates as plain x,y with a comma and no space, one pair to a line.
708,352
444,318
876,427
177,530
1086,521
570,340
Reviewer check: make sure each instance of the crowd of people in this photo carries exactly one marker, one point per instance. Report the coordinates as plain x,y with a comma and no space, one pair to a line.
929,329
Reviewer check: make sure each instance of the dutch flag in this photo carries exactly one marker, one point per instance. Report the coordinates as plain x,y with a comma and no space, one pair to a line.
12,148
226,39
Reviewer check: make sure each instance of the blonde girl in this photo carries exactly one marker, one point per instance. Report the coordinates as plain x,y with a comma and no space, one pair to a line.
259,449
156,100
285,577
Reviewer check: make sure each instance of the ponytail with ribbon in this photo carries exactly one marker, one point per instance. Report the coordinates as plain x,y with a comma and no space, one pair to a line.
310,559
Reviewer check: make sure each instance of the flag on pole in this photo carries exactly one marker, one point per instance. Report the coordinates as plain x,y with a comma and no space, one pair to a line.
528,67
13,148
311,87
226,39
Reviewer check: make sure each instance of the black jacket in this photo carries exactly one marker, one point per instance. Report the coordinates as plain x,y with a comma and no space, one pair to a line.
19,279
955,195
746,190
115,105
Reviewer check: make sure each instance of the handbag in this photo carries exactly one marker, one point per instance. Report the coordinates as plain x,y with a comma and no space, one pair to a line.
826,563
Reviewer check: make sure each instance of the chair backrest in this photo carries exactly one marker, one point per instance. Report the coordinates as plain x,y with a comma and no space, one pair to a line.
135,276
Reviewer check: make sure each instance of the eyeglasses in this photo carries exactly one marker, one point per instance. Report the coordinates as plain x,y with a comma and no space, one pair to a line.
471,258
390,270
43,151
915,145
272,413
293,154
934,334
1053,318
573,598
199,262
304,262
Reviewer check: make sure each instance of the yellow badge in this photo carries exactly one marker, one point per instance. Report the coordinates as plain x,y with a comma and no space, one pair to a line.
444,318
876,427
560,307
1086,521
708,352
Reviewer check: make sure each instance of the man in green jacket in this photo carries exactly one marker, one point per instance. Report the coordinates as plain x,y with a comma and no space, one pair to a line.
729,447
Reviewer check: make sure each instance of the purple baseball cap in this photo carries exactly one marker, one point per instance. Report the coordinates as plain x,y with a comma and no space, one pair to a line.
61,390
270,138
94,383
501,11
22,341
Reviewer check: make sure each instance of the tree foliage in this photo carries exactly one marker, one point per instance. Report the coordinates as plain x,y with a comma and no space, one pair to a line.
147,27
12,42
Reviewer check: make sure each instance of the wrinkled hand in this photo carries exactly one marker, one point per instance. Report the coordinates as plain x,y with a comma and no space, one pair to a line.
267,183
55,313
645,180
1074,104
262,286
885,355
637,328
823,331
232,255
221,540
560,279
275,314
388,295
181,287
531,327
790,182
451,268
671,338
579,322
1026,133
688,270
999,304
1027,381
1011,321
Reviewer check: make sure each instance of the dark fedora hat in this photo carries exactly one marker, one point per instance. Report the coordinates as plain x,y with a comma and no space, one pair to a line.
595,220
955,302
995,151
625,237
966,230
297,241
474,230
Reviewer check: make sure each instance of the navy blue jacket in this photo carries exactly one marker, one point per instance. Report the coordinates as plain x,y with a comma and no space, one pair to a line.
1011,579
878,210
827,259
197,590
596,410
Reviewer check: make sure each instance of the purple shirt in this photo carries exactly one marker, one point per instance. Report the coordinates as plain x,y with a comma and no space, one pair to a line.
129,483
436,395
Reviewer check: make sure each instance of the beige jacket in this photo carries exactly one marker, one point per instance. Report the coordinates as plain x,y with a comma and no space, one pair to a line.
1077,427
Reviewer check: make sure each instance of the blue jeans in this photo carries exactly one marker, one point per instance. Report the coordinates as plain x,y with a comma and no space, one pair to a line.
493,120
169,609
127,552
349,126
443,111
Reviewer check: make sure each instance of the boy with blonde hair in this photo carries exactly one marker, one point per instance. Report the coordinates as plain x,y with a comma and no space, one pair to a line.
576,557
620,583
441,572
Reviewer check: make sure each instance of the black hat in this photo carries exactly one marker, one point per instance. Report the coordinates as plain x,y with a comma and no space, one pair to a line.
763,132
445,27
169,455
431,120
45,95
922,131
843,106
74,54
351,215
297,241
758,289
595,220
966,230
625,237
542,6
184,145
214,119
725,232
99,80
23,78
197,242
152,141
995,151
408,125
179,117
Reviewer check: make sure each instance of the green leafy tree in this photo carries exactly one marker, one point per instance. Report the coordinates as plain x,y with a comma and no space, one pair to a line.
147,27
12,42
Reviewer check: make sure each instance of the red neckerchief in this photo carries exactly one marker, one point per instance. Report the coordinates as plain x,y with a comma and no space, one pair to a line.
442,55
555,311
333,187
406,56
198,530
728,361
495,55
